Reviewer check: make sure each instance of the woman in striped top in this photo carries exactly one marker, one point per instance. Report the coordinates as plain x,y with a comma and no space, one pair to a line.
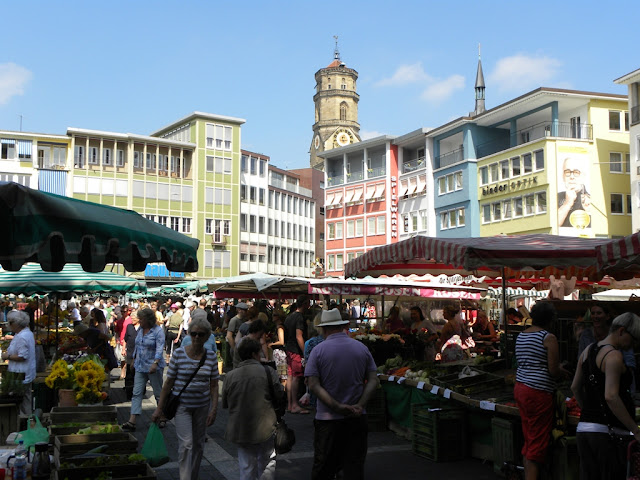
198,403
538,366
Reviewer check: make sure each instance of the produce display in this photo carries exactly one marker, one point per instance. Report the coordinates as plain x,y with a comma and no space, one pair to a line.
104,461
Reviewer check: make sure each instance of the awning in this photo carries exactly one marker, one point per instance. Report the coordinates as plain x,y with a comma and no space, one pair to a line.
371,189
337,199
422,185
404,187
620,258
379,191
257,285
329,201
348,196
412,188
357,194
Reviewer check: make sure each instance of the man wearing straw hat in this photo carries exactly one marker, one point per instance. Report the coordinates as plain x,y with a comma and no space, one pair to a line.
342,374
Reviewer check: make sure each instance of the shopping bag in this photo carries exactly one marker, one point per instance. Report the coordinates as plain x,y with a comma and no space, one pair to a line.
154,448
33,435
284,439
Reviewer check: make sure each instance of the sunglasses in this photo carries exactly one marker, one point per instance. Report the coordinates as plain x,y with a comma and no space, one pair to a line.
198,334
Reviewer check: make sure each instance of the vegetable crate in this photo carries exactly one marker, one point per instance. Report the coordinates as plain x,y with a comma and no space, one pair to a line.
122,472
71,445
507,442
91,414
377,412
480,382
439,434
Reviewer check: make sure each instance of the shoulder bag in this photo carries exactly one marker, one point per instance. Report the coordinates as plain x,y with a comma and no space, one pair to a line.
285,438
171,405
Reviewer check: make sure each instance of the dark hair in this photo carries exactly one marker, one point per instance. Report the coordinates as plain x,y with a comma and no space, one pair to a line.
417,309
147,315
99,315
248,346
252,312
257,326
513,311
302,300
606,309
542,314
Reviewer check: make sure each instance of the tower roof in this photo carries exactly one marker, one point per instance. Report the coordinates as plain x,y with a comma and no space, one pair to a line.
479,76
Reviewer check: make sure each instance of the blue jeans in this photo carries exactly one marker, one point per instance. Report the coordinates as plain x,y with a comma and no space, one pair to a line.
140,386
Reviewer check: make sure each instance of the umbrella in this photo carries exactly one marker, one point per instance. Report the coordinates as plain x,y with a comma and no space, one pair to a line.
506,256
257,282
53,230
31,279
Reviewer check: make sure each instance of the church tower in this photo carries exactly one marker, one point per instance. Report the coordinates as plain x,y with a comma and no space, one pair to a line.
336,109
479,87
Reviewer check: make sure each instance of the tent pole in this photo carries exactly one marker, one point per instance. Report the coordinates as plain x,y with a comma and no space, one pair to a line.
504,316
57,297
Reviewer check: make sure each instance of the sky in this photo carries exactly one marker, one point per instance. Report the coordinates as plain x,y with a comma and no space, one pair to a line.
136,66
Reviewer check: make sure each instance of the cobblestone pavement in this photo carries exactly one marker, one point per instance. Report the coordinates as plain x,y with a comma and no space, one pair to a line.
389,455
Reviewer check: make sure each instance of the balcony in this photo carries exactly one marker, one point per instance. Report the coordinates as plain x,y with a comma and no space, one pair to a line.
450,158
355,176
635,115
533,133
332,181
413,165
377,172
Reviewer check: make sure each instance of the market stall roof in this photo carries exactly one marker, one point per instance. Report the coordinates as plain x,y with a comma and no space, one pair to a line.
621,258
53,230
514,256
190,288
392,287
617,295
253,283
31,280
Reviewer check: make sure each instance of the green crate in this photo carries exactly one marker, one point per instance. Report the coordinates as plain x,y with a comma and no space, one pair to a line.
439,434
507,442
378,403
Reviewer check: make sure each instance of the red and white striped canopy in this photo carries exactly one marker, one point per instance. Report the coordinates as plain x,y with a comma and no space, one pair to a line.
521,256
620,258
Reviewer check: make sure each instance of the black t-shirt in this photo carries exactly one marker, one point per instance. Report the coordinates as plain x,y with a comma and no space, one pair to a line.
293,322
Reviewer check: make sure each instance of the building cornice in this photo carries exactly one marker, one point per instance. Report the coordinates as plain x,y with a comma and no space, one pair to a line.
199,115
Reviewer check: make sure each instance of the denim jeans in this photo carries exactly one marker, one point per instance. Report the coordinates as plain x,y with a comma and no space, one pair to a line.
191,429
140,386
257,461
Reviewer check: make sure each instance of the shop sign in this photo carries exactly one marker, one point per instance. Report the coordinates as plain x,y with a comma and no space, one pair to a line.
161,271
510,186
394,208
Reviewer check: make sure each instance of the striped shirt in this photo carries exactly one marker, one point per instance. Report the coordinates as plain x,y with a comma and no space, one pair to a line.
533,369
181,367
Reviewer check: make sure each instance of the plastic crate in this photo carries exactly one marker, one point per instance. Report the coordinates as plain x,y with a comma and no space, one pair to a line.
507,442
378,403
439,434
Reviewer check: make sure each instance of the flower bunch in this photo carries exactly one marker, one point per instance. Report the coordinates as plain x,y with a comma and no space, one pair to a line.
62,375
90,375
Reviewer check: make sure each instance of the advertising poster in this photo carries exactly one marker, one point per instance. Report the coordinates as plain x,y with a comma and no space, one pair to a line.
574,198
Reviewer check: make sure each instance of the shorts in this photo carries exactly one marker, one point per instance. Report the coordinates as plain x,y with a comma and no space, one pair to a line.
537,414
294,365
280,357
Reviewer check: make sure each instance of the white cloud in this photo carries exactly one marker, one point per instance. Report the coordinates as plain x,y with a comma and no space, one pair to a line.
367,134
522,72
404,75
13,78
443,89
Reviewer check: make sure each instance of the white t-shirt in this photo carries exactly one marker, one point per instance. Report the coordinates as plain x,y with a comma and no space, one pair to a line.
23,345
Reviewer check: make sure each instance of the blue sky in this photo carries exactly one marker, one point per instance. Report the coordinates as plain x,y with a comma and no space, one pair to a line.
135,66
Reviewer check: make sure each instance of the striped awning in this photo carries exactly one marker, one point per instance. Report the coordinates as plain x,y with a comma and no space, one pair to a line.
7,141
32,280
52,181
519,256
620,258
24,147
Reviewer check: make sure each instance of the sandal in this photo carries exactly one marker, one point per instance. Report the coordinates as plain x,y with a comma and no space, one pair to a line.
128,426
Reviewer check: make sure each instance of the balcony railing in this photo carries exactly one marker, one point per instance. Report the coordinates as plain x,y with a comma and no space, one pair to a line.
377,172
335,180
355,176
412,165
450,158
635,115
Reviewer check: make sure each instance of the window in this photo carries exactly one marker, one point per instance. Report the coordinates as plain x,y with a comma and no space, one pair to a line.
252,224
351,228
339,262
330,262
486,213
276,199
461,217
338,230
424,222
529,204
295,205
93,155
243,193
504,169
628,204
515,166
226,227
263,167
217,234
79,156
382,220
517,207
405,223
106,156
289,203
207,226
276,227
615,122
615,162
252,194
447,183
457,180
496,214
526,162
270,227
627,162
243,164
254,163
331,231
218,136
162,220
371,226
359,227
261,196
617,206
541,202
493,170
294,232
243,222
175,223
289,230
484,175
120,158
414,222
445,220
261,224
506,209
24,149
539,159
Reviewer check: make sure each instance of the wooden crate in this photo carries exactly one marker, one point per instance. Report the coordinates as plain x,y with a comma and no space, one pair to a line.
468,385
57,430
9,414
90,414
66,446
122,472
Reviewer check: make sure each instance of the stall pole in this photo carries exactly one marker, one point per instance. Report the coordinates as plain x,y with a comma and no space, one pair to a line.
504,317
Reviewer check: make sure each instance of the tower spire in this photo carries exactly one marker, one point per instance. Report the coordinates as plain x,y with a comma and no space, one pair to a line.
336,52
480,108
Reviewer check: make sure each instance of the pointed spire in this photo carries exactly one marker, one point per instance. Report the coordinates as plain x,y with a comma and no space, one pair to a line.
336,52
479,87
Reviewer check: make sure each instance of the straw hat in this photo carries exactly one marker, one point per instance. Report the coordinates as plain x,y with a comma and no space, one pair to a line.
332,318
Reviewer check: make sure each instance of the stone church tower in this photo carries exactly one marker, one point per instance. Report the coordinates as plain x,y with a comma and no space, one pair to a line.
336,105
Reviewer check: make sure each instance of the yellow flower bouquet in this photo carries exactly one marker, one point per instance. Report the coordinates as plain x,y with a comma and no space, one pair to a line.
62,376
85,376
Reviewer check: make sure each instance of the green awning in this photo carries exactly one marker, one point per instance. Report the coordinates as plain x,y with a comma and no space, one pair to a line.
31,280
53,230
193,287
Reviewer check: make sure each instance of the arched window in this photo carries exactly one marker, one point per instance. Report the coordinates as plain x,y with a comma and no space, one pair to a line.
329,83
344,84
343,111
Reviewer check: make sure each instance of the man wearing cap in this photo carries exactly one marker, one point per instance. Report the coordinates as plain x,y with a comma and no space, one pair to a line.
342,374
295,334
234,326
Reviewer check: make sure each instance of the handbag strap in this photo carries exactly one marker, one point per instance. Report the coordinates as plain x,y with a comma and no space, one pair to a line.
204,357
272,392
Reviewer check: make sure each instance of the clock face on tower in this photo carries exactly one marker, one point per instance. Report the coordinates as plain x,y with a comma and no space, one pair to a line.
343,139
316,142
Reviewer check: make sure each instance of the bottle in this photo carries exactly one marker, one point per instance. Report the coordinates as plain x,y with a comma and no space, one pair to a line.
20,463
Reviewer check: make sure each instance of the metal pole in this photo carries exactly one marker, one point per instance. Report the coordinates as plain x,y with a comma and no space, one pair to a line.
504,316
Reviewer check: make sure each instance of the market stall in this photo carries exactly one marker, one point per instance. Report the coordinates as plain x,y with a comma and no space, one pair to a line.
258,285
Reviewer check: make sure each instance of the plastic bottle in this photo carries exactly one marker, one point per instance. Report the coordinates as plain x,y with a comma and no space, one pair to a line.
20,463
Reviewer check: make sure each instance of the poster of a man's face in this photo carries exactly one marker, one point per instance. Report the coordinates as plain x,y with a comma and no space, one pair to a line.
574,199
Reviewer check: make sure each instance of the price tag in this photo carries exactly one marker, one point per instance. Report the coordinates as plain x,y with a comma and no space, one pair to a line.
401,380
420,385
435,389
485,405
391,378
447,393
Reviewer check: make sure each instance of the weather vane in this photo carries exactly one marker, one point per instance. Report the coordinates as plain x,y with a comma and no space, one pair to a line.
336,52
